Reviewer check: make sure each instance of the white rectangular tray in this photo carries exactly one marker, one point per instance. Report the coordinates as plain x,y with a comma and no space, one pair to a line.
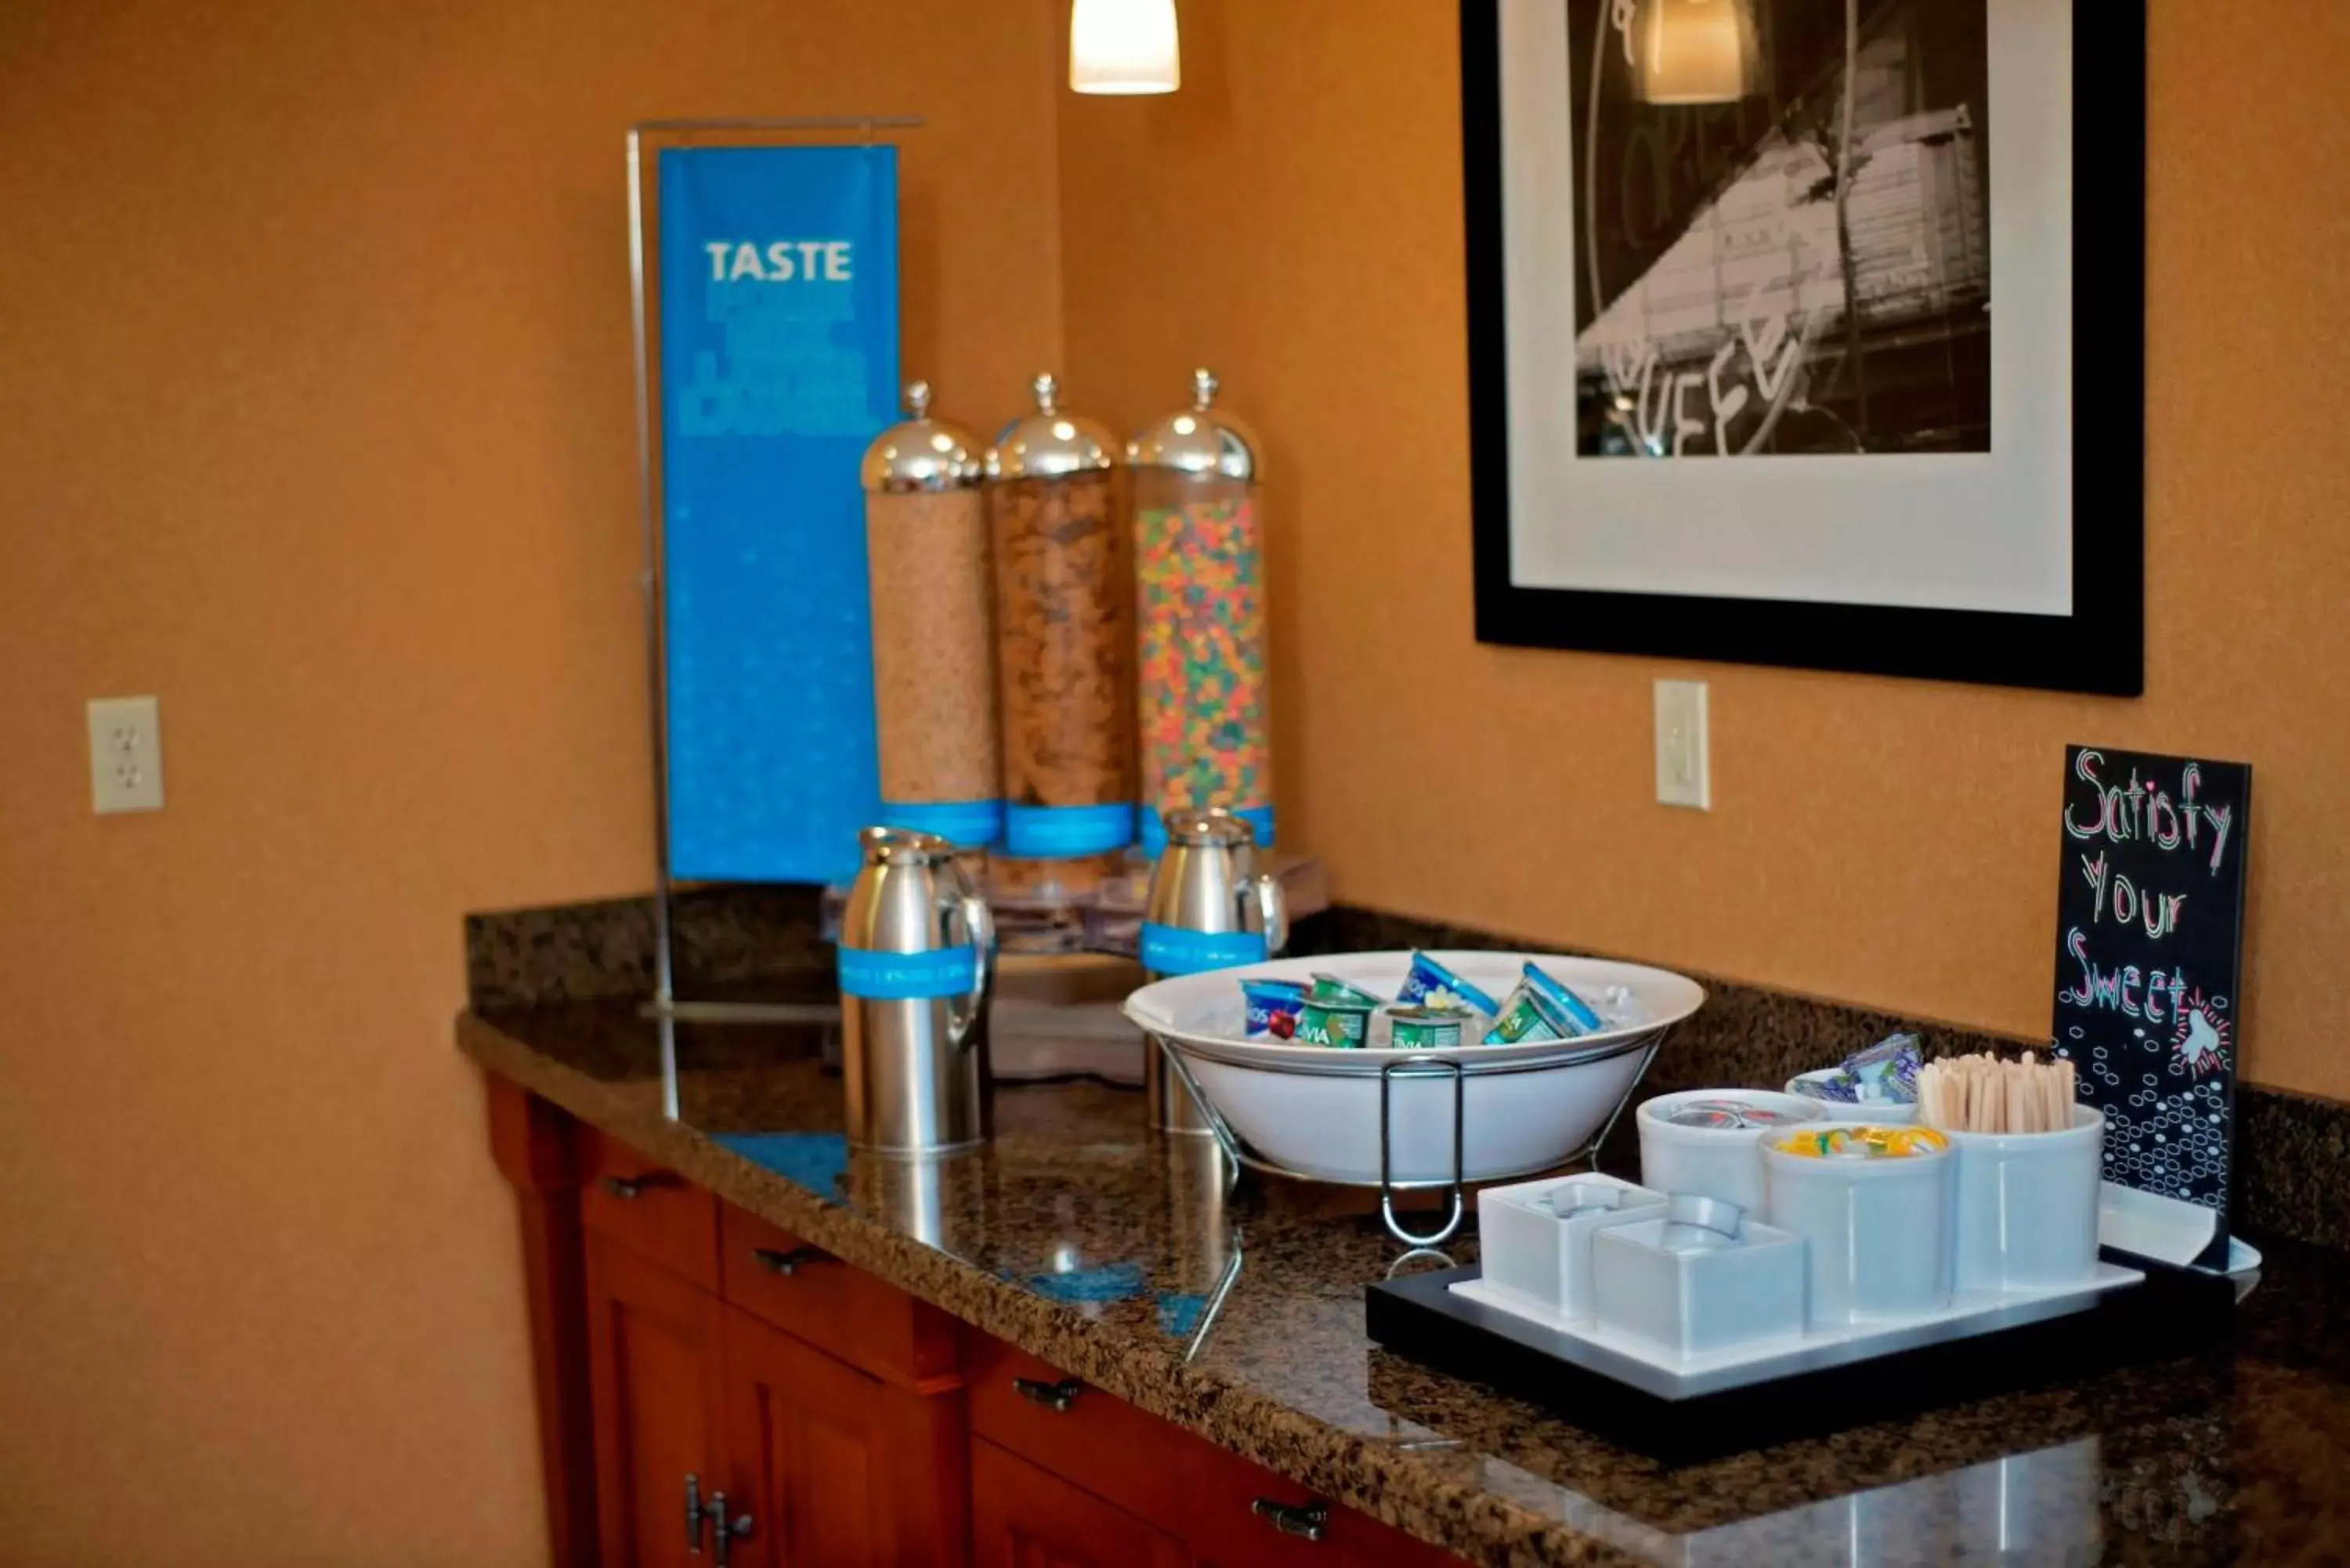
1670,1374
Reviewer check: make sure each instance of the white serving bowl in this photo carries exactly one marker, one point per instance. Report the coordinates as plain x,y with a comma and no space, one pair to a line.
1314,1110
1882,1113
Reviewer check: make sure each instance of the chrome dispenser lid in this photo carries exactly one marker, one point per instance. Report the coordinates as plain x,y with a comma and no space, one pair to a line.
904,846
1203,442
1051,443
1215,826
922,453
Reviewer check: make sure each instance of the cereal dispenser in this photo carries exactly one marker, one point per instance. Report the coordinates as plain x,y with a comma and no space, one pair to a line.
1064,642
1200,613
925,539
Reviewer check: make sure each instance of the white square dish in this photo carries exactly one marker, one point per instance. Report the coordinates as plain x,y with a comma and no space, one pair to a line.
1530,1247
1692,1303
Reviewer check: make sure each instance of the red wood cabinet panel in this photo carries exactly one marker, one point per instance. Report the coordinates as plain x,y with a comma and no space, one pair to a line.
845,1470
1024,1517
845,1312
654,1364
535,1146
655,1211
1076,1431
1238,1510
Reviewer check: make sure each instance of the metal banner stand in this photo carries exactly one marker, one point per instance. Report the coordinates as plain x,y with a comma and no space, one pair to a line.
665,1003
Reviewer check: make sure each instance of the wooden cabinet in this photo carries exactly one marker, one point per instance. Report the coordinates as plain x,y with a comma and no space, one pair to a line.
655,1367
846,1470
1026,1517
688,1352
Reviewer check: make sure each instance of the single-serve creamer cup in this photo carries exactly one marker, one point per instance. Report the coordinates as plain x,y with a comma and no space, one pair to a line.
2027,1205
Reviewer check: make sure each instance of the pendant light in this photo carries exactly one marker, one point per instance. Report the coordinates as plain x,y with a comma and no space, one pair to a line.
1694,51
1123,46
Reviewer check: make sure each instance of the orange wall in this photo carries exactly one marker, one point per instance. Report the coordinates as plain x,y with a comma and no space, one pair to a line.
315,416
315,420
1292,218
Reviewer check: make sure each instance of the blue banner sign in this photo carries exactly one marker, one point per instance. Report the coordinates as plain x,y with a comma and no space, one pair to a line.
778,323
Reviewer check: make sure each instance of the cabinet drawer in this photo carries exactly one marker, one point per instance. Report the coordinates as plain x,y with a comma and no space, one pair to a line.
1100,1443
843,1311
1235,1513
653,1212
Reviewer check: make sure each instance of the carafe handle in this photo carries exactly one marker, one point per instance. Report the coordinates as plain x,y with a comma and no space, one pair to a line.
1265,910
964,1015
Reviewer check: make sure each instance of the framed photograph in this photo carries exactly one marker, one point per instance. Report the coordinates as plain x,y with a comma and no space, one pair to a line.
1811,332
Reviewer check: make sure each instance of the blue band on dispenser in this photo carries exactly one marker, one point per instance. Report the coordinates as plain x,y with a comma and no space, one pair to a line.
1170,950
1154,828
972,824
1057,830
892,977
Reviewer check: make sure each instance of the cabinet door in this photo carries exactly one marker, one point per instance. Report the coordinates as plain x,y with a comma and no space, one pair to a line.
654,1365
811,1436
1023,1517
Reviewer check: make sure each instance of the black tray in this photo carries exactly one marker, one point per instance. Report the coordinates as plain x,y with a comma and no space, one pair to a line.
2172,1313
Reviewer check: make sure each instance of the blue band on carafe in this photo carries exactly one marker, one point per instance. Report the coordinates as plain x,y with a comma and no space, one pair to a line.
972,824
896,977
1154,828
1050,831
1170,950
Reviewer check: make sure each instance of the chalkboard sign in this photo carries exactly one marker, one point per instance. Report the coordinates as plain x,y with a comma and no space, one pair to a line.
2149,931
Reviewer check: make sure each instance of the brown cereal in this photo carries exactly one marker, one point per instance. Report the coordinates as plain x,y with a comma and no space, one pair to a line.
1064,628
933,646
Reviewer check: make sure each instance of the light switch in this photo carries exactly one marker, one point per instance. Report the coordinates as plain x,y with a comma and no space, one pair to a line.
126,754
1683,775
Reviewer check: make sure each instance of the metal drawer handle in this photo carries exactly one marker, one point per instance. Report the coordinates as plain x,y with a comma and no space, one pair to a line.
713,1511
728,1531
1051,1396
629,1187
788,1263
1306,1520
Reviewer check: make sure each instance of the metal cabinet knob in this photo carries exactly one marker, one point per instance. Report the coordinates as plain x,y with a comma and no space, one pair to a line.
1051,1396
629,1187
728,1531
788,1263
1306,1520
698,1512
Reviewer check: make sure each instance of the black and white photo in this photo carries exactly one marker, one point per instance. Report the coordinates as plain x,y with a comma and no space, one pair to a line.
1875,265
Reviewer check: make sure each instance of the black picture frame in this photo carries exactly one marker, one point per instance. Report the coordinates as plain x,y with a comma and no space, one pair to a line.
2099,647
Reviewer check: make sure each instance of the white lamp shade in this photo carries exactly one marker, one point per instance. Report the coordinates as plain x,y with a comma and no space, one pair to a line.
1123,46
1694,51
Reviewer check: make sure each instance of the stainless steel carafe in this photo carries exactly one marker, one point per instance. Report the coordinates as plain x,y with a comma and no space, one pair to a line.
917,953
1209,908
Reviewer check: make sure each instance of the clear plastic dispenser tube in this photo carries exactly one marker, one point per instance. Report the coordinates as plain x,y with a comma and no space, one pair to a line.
1202,696
927,547
1064,642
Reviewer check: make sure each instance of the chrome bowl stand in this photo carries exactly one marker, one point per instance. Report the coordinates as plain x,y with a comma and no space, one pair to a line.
1455,1187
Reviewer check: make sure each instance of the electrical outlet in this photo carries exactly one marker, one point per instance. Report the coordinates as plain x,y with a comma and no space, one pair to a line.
126,754
1684,776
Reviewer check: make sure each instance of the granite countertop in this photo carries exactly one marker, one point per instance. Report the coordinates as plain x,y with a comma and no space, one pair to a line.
1088,1242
